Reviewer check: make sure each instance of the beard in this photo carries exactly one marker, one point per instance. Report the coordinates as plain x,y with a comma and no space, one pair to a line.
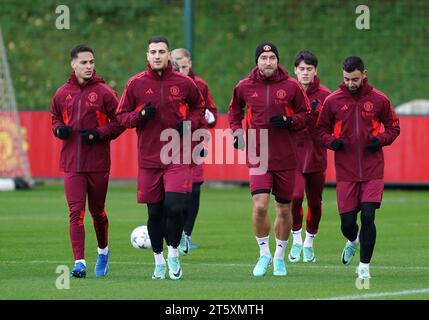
268,72
84,76
158,67
353,90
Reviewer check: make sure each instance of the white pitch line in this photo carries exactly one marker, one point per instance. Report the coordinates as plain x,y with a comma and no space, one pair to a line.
351,297
378,295
215,264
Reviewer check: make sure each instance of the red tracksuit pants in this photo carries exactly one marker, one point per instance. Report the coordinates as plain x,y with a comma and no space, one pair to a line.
77,185
313,184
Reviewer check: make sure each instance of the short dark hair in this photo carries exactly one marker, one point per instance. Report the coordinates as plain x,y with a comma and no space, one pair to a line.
157,39
353,63
307,56
78,49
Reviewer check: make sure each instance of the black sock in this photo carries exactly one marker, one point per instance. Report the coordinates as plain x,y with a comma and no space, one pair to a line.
174,204
155,225
368,232
192,207
349,227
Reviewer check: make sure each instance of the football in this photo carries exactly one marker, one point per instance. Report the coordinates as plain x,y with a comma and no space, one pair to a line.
140,238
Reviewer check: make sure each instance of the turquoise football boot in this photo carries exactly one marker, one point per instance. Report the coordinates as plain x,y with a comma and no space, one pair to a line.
262,266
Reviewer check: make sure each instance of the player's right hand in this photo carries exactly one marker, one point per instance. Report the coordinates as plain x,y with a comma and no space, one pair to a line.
210,118
336,145
148,112
281,121
90,136
314,104
63,132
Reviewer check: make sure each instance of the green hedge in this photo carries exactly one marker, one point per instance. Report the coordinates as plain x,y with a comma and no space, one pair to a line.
395,49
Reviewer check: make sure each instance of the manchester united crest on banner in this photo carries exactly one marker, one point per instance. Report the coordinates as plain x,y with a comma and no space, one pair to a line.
10,155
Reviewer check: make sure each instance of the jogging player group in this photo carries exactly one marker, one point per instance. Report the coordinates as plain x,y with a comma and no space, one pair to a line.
300,117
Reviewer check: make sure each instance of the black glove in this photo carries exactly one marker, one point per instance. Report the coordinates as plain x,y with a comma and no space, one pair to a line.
63,132
374,145
239,142
336,145
85,136
149,112
314,105
279,121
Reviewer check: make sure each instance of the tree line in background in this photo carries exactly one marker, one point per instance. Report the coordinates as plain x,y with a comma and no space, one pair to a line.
226,35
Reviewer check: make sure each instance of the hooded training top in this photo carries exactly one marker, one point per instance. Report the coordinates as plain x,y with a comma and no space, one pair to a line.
355,119
207,96
84,107
311,154
175,98
267,97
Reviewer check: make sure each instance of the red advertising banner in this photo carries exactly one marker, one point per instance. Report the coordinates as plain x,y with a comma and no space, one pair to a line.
11,162
405,160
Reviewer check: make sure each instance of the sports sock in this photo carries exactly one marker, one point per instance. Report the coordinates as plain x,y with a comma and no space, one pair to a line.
309,238
297,238
264,246
354,242
80,260
159,258
172,252
280,249
363,265
103,251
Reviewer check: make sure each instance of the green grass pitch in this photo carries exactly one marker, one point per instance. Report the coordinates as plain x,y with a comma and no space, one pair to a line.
34,240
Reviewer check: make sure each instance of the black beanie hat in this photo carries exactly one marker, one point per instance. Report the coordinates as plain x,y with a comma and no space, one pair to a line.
266,47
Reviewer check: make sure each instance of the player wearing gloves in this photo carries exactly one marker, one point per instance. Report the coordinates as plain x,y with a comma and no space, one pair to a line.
312,163
83,112
277,104
182,62
351,122
154,100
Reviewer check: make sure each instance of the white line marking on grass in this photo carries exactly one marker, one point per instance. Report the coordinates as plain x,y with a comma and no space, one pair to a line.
300,265
378,295
372,267
216,264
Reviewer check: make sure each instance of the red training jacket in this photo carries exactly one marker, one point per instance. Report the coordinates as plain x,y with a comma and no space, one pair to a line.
175,97
355,119
90,106
207,96
311,154
267,97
